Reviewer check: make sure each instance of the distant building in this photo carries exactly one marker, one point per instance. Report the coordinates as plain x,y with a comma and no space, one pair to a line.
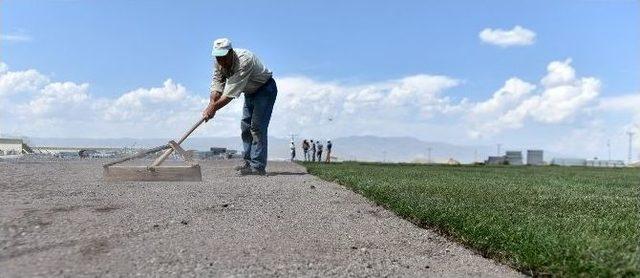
535,157
452,161
569,162
13,146
514,157
217,152
67,154
496,160
94,152
605,163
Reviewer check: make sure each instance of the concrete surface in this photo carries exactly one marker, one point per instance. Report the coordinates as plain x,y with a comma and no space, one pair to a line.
58,218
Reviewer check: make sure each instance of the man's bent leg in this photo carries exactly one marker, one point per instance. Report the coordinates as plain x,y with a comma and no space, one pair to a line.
263,106
245,127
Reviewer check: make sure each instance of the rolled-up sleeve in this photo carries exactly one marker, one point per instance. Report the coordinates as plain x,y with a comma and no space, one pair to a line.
238,81
217,81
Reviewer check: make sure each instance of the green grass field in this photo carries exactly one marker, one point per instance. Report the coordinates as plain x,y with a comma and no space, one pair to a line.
562,221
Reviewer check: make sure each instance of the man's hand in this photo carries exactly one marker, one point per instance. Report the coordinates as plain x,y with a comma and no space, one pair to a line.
216,102
209,112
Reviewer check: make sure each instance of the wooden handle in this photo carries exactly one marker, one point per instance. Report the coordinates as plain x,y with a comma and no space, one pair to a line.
196,125
168,152
140,154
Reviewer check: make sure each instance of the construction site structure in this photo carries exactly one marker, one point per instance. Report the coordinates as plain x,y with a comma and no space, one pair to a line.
535,157
495,160
514,157
10,146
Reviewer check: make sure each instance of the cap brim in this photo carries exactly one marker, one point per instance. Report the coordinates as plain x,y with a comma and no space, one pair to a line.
219,52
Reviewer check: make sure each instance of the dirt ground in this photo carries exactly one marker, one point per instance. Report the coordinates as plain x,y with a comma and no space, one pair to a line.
58,218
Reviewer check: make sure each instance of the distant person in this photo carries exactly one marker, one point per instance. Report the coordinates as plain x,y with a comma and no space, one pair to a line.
329,145
313,151
293,151
320,151
305,149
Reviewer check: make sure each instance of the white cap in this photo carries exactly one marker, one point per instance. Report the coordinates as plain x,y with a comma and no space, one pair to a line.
220,47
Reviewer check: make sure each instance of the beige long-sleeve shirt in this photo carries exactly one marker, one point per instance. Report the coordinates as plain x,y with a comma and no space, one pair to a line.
246,75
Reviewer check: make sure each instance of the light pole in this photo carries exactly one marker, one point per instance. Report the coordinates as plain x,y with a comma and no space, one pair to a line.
475,155
630,146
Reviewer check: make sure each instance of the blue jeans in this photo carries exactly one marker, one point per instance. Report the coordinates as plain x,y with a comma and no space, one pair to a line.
256,115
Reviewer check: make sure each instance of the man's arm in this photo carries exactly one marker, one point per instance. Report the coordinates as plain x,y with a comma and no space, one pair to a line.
221,102
214,96
217,101
217,80
216,88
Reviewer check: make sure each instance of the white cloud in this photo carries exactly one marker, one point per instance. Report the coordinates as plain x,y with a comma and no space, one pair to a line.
416,106
15,38
630,103
628,108
512,92
492,116
3,68
517,36
331,109
14,82
56,99
562,98
68,109
589,139
559,73
137,103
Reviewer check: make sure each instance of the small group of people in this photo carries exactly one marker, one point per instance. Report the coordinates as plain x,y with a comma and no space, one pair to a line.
313,150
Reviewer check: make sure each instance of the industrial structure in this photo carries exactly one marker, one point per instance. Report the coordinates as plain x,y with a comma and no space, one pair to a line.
535,157
584,162
495,160
94,152
605,163
513,157
568,161
10,146
217,152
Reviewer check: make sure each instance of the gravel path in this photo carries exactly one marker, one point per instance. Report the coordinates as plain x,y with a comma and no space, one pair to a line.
58,218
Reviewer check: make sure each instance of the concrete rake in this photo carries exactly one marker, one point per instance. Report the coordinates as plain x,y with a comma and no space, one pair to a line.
156,172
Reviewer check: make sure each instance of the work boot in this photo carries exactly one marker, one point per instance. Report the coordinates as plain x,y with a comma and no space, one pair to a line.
243,166
250,171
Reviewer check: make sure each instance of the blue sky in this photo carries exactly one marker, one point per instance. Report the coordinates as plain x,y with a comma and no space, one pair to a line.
121,46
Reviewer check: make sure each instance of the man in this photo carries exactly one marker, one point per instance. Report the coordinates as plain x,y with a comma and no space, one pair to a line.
313,151
240,71
329,145
305,149
292,146
319,151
